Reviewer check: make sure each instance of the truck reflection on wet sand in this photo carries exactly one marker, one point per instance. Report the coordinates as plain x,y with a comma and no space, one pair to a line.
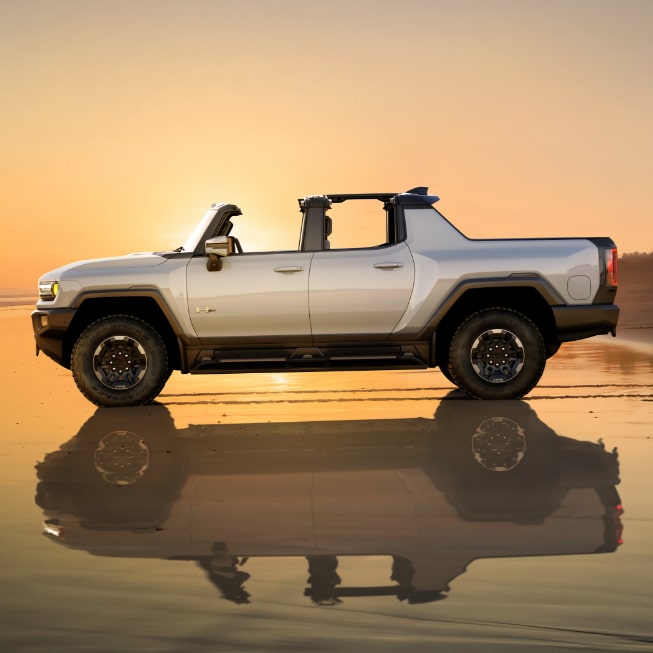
480,480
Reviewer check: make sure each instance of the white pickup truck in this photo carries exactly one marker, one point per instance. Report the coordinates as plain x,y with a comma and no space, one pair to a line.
488,313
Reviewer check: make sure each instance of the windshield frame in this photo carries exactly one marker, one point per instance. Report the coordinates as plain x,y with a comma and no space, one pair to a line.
193,240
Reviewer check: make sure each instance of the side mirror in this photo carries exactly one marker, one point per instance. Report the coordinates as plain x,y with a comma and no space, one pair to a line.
216,248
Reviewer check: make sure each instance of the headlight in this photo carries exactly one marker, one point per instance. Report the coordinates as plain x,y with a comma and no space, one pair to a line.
48,290
53,527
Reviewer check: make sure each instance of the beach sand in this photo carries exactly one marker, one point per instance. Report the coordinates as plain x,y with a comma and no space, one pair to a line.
225,503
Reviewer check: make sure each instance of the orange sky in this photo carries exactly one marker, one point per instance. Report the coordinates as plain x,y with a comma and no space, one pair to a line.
123,120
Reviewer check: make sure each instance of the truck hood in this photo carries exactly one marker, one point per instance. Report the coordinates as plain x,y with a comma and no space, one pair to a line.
140,260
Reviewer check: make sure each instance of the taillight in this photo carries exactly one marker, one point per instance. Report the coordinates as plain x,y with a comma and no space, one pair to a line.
618,526
613,532
611,267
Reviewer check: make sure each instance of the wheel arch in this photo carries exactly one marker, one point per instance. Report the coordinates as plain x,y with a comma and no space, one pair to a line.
530,300
148,308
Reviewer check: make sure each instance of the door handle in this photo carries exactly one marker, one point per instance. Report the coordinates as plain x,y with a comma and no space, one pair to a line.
290,268
388,266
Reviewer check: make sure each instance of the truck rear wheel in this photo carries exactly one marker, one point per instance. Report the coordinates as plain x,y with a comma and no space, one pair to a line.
446,373
120,360
497,353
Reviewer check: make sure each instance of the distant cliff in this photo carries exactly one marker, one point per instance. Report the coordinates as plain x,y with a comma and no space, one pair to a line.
635,294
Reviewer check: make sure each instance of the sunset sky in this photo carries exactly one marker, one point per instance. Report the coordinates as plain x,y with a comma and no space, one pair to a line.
123,120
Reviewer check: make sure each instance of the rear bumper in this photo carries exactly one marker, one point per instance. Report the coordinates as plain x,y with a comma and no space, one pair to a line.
50,328
577,322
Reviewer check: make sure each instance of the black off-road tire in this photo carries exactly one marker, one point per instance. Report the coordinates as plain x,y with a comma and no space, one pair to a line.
497,353
120,360
446,373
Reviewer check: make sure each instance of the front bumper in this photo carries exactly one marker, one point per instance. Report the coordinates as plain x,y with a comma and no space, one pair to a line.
577,322
50,328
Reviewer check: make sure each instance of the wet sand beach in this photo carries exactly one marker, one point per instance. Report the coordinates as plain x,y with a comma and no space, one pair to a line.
338,511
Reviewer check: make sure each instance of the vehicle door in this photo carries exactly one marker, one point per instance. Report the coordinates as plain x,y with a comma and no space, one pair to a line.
253,295
360,291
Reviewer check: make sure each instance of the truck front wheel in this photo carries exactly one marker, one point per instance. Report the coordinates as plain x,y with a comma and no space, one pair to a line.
497,353
120,360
